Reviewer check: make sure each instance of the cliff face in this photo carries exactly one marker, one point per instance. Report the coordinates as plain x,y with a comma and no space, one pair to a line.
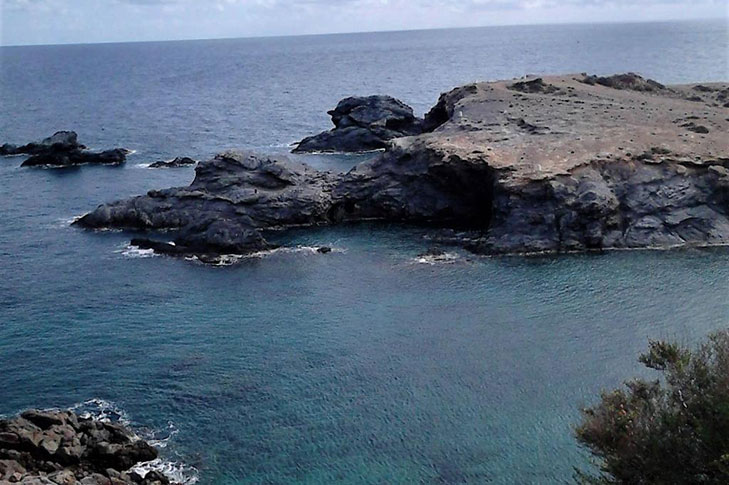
550,164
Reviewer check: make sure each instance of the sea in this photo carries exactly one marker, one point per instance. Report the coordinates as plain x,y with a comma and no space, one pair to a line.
368,365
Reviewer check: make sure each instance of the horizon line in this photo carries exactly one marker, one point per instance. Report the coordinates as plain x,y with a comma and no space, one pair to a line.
387,31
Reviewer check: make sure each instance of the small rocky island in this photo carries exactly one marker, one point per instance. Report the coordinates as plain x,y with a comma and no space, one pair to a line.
175,163
62,448
552,164
62,149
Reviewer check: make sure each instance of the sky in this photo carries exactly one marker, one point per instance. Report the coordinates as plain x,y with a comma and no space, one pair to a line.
85,21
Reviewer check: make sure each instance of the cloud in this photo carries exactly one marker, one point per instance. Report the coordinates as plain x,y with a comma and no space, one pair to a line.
61,21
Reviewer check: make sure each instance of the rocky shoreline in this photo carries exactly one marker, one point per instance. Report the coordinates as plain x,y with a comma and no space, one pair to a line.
63,448
552,164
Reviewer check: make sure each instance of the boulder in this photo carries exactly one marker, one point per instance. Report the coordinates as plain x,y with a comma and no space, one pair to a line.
60,448
364,124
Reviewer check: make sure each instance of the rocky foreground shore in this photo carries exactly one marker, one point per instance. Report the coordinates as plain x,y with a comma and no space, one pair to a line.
559,163
61,448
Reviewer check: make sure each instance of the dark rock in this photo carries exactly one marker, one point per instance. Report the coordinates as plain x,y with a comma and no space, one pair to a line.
695,128
44,419
70,158
57,447
240,192
445,108
58,142
629,81
324,250
363,124
159,247
63,150
534,86
177,162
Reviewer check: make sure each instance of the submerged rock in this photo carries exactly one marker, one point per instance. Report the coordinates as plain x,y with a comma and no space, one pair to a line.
518,170
63,150
59,447
363,124
177,162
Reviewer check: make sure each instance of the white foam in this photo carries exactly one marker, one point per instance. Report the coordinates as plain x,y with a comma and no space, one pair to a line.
108,412
176,472
64,222
130,251
431,259
231,259
101,410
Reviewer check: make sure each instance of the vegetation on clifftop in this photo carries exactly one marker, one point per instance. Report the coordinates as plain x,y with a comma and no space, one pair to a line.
672,430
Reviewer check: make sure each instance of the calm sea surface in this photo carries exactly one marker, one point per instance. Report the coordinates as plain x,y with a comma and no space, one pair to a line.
362,366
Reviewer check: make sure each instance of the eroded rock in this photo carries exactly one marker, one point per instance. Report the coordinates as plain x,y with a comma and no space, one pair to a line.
61,448
628,80
520,170
63,150
363,124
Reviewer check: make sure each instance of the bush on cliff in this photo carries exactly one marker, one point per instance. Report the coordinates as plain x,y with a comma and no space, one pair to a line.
670,431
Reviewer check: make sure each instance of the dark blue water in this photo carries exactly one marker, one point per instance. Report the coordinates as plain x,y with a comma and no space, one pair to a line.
362,366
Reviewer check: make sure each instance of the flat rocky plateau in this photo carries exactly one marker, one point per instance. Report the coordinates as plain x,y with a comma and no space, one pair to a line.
551,164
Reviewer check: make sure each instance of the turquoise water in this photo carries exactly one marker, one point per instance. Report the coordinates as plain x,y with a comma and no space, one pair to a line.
366,365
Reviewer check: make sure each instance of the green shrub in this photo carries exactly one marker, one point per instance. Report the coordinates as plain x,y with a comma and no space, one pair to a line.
671,431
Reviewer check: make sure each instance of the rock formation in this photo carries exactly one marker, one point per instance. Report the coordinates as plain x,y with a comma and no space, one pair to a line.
364,124
63,150
549,164
61,141
177,162
61,448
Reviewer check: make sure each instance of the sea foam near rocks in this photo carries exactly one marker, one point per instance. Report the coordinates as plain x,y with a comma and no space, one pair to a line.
105,411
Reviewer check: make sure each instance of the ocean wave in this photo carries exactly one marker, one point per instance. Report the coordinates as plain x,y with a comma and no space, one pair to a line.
101,410
64,222
130,251
231,259
176,472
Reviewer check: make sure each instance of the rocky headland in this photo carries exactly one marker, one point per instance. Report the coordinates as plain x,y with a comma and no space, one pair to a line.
551,164
62,448
62,149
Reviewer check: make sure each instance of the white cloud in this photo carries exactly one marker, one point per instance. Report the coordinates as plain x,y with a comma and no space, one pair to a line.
59,21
